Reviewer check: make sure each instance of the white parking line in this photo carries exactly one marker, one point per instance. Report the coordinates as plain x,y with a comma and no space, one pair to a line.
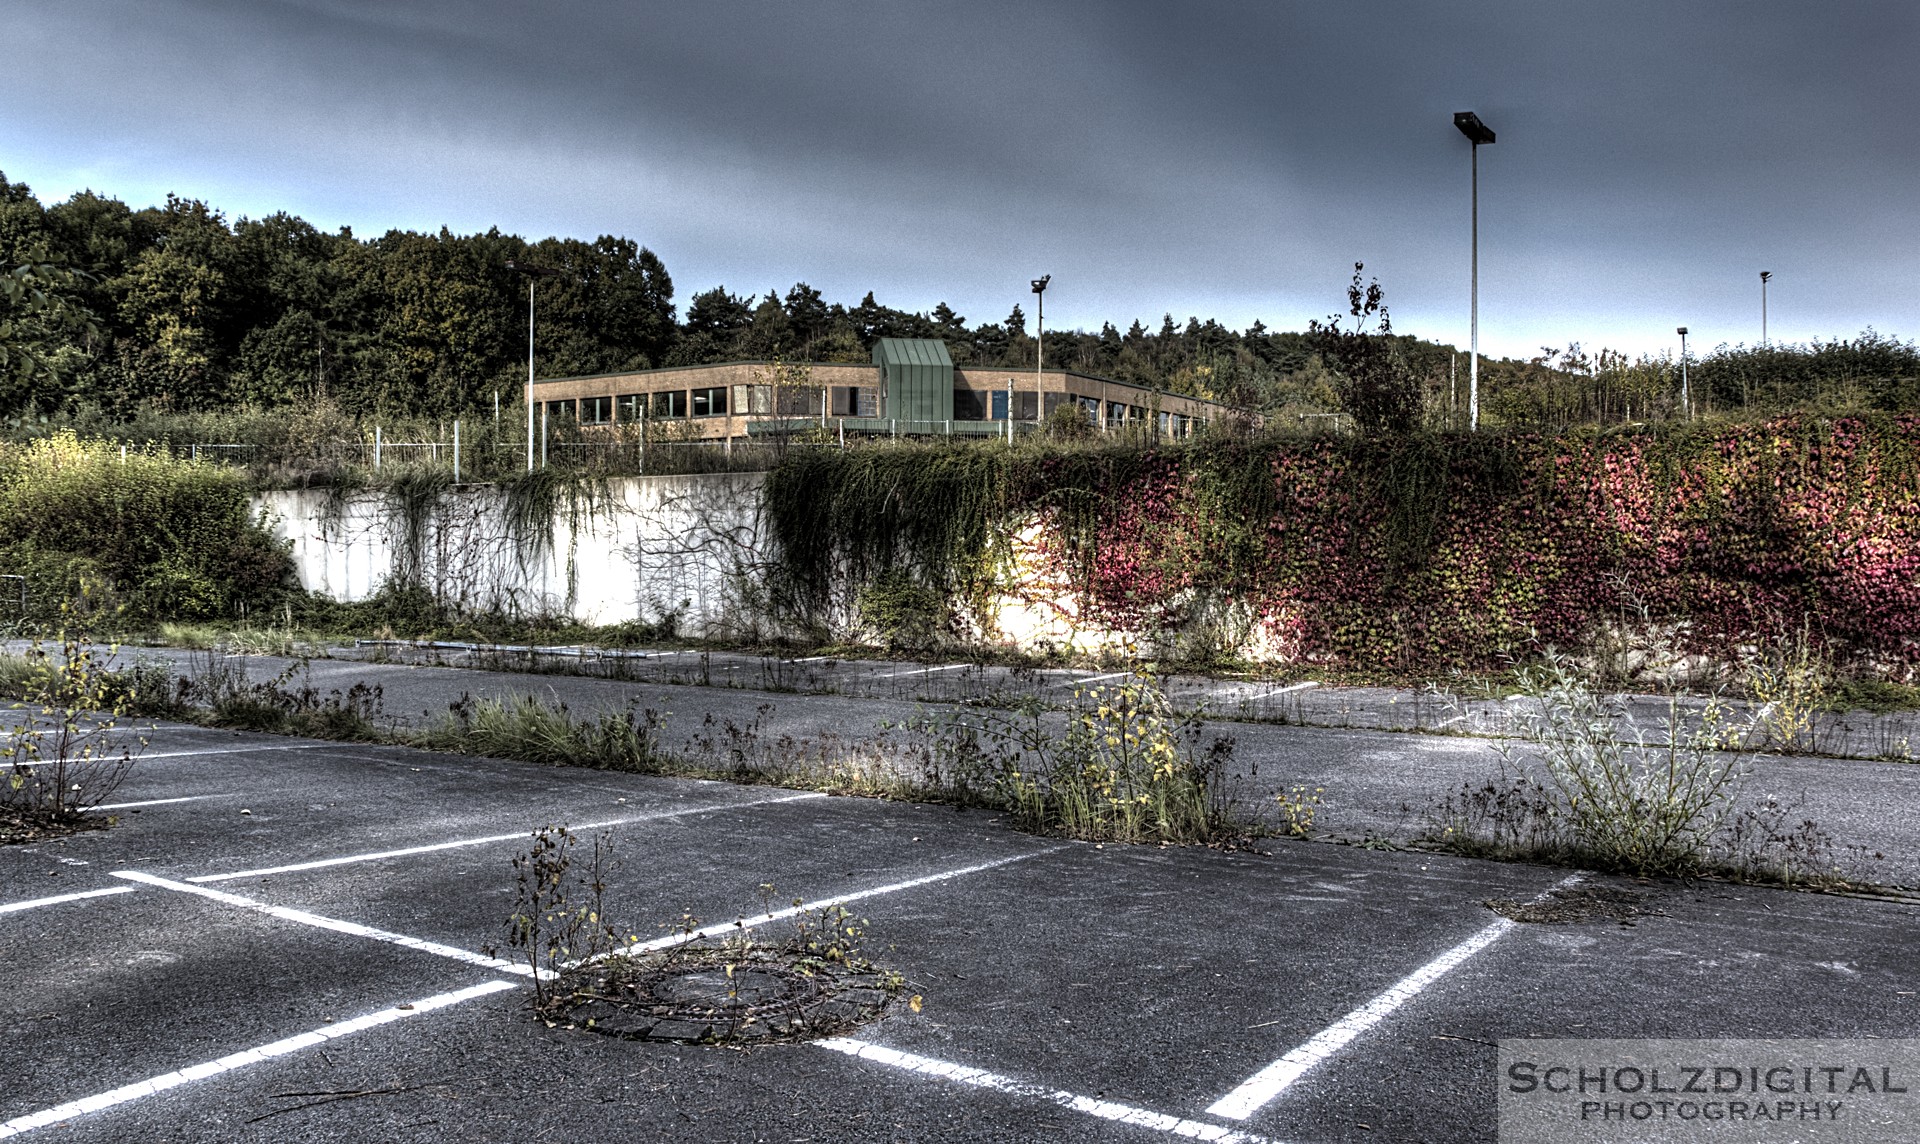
144,756
11,907
323,863
1093,679
1270,1082
949,667
1291,687
141,758
156,802
674,939
352,929
142,1089
980,1078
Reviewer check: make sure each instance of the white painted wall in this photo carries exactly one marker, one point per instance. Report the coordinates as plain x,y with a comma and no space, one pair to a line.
648,547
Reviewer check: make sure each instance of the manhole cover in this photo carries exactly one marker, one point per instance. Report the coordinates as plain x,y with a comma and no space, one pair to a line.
711,999
710,992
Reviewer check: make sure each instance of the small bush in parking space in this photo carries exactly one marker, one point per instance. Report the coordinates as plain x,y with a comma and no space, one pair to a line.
1584,784
1119,765
63,751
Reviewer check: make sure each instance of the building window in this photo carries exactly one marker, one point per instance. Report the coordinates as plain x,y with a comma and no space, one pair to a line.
1116,412
630,406
560,410
968,405
753,399
710,402
856,401
670,403
596,410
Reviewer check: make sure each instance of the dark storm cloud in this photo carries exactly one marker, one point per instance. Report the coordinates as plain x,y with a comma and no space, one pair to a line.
1230,160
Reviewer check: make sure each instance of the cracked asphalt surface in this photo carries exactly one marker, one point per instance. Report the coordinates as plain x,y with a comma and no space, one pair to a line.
1148,980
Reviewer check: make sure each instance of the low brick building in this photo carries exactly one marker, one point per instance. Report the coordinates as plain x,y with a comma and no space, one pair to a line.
911,388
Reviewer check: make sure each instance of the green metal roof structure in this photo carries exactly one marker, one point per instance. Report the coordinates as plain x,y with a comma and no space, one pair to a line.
918,377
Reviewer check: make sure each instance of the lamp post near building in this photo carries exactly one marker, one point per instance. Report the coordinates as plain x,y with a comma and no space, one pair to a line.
1686,407
1764,275
1039,343
1477,133
533,273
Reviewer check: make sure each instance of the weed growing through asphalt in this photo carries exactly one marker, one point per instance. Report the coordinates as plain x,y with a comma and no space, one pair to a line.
706,985
1586,785
64,749
527,729
1119,765
559,914
1788,678
220,689
1602,790
1298,808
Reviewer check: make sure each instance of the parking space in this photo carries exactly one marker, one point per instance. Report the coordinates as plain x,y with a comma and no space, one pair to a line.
301,952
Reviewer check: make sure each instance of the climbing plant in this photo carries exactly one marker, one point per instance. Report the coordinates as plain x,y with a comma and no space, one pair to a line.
1406,550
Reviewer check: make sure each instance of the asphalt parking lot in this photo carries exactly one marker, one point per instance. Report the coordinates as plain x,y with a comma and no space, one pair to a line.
285,942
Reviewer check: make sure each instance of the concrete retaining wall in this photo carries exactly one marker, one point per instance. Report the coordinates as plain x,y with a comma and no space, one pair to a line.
636,549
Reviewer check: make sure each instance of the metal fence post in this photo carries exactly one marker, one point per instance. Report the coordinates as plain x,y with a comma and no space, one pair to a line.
376,448
456,450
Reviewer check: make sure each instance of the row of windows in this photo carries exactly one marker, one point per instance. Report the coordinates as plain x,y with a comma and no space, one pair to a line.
709,402
847,401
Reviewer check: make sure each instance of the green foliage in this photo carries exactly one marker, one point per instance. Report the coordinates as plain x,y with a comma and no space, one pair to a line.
164,537
63,750
920,512
524,728
1377,387
905,614
1120,767
559,917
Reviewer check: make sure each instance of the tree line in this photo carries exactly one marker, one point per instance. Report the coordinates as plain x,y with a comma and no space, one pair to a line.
176,307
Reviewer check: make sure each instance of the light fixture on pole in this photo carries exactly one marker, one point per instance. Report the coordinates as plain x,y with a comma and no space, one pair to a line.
533,273
1478,133
1686,407
1764,275
1039,342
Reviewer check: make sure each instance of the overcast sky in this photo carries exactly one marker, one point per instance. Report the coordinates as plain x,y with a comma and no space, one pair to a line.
1230,160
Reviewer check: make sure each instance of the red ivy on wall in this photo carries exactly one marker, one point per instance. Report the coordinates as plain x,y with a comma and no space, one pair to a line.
1372,554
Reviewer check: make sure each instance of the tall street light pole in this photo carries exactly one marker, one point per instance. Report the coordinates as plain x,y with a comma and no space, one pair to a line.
1478,133
1764,275
1686,407
1039,344
533,274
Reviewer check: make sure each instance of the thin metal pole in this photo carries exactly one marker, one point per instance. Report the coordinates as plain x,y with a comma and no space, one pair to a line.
1473,374
1763,309
456,450
1686,403
1039,353
376,448
543,436
530,282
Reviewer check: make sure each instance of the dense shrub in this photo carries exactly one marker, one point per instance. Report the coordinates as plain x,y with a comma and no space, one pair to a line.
145,532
